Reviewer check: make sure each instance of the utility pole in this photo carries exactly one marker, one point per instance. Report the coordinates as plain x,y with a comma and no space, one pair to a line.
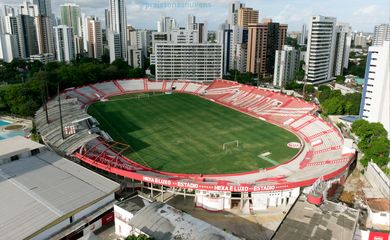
60,110
258,71
46,97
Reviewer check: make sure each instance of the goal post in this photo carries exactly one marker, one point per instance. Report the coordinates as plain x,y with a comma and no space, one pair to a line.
231,144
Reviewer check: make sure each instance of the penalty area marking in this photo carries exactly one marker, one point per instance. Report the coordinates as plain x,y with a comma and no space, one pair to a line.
263,156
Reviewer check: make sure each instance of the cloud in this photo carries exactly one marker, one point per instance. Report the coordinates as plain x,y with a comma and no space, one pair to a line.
367,10
292,14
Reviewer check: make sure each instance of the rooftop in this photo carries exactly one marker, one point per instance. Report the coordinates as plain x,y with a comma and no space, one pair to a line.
379,204
44,188
16,145
133,204
329,221
162,221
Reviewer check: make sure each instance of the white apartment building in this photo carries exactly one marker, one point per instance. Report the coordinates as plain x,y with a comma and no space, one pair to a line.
64,43
9,45
142,39
118,24
166,24
184,36
135,56
195,62
233,12
381,34
114,44
343,47
375,104
286,65
360,40
320,49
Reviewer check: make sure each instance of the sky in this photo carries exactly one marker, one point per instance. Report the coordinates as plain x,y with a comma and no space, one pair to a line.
361,14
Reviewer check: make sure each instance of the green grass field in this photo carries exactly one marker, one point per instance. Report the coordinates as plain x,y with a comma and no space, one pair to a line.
185,134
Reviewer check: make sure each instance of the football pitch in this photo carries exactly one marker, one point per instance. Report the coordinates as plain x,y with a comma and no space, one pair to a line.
182,133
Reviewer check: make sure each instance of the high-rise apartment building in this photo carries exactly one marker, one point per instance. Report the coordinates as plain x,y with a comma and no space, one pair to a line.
342,48
45,37
135,57
44,7
118,24
360,40
375,104
93,35
70,16
114,45
196,62
303,36
107,18
44,26
233,12
166,24
263,41
9,45
184,36
64,43
227,43
27,36
27,8
9,35
381,34
320,49
286,65
9,21
247,16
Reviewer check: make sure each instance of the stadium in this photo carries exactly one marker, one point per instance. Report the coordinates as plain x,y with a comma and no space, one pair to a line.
223,142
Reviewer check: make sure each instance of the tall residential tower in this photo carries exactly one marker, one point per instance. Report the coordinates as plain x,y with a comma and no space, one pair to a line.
118,24
320,49
375,104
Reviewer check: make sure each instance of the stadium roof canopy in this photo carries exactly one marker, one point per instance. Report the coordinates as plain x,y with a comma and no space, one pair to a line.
162,221
42,190
327,221
71,116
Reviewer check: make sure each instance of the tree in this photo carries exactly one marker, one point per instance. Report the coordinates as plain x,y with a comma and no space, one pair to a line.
139,237
357,69
25,98
340,79
333,106
152,68
293,85
310,88
373,141
333,102
136,73
323,88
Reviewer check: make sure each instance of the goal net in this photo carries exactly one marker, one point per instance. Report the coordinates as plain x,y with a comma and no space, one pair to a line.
145,95
230,145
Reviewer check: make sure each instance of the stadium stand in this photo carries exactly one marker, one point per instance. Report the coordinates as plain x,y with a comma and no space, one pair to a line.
321,155
108,88
155,85
132,85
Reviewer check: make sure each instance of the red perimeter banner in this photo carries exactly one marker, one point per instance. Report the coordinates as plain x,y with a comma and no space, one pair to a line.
222,187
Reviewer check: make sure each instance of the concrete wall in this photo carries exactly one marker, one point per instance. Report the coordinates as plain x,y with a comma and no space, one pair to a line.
377,178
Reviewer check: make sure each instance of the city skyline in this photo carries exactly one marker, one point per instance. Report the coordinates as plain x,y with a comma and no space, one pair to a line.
362,15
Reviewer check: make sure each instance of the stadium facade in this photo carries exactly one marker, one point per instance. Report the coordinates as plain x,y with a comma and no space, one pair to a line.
322,162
